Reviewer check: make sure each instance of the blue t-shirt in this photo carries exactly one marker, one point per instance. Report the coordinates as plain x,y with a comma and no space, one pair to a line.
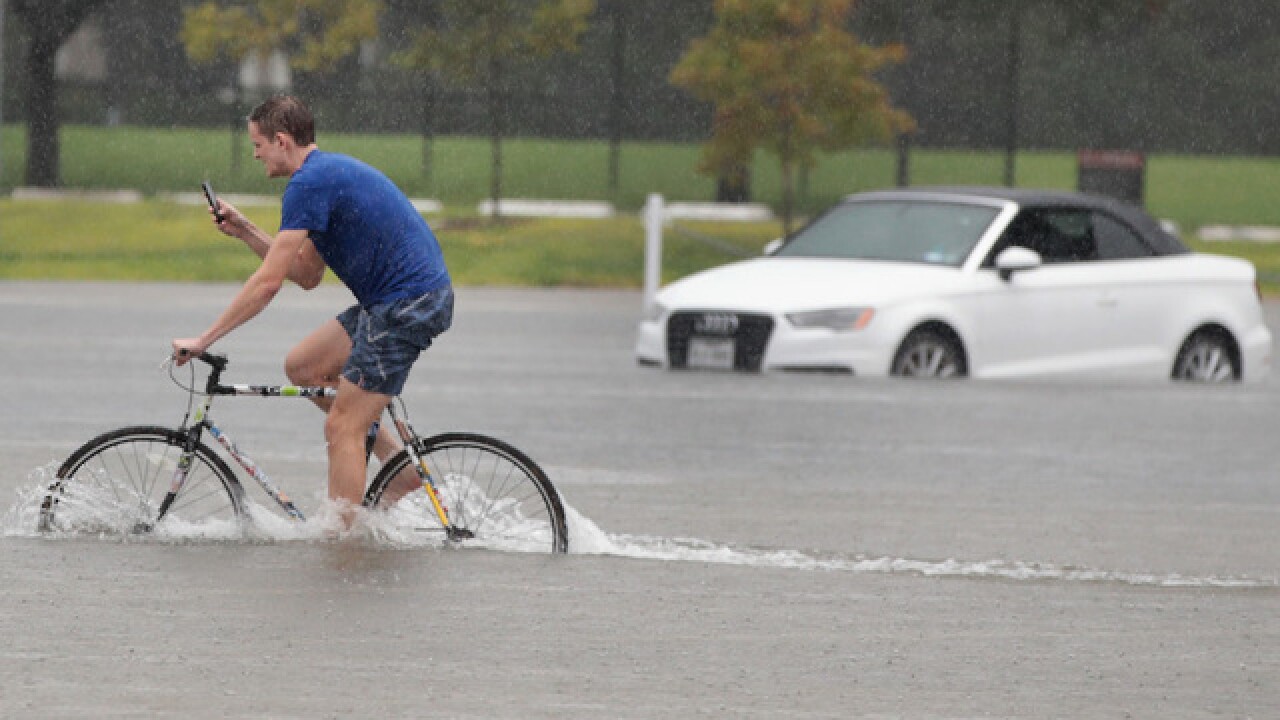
366,230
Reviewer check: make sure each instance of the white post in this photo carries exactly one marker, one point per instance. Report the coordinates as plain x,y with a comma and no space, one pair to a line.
653,212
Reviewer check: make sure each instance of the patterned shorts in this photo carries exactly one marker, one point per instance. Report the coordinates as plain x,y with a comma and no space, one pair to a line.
387,338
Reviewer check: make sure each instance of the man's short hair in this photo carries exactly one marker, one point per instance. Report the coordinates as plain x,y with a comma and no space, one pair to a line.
285,114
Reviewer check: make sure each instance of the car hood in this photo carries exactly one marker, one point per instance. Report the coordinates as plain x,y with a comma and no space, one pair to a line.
790,284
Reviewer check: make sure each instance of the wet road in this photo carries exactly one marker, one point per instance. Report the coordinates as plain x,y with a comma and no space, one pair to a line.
746,546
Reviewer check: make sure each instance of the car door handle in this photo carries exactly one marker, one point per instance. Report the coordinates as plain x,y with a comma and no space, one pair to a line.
1108,301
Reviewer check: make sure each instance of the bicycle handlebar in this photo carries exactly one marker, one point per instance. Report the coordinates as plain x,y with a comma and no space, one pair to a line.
217,362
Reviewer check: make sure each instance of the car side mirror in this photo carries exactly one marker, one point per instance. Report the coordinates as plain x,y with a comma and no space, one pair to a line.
1016,259
772,246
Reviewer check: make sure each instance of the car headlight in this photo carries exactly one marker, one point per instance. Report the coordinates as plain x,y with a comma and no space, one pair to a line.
835,319
654,312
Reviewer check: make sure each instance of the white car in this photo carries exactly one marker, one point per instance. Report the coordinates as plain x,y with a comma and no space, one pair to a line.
982,282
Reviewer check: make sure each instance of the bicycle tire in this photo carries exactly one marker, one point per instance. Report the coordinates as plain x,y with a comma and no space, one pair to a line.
494,494
117,482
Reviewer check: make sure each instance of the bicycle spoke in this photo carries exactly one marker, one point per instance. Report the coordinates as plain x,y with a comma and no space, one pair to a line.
494,495
117,482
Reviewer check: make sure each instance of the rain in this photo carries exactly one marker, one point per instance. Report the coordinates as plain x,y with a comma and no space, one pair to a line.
821,543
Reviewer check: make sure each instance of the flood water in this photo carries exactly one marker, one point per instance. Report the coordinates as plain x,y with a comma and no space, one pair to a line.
745,546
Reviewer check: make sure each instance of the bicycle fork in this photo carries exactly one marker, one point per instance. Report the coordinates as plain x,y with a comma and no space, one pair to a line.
433,492
176,482
407,436
175,486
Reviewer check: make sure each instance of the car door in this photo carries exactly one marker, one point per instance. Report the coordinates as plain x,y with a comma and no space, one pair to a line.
1134,300
1047,319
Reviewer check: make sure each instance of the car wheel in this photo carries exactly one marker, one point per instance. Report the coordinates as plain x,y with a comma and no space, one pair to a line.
1207,357
929,353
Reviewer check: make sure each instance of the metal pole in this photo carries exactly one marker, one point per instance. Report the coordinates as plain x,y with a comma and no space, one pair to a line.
616,97
3,3
1015,60
235,126
428,130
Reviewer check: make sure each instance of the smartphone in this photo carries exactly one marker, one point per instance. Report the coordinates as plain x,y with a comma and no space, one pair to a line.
213,200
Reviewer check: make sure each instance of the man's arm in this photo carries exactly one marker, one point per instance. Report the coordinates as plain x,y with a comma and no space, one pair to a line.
255,295
307,269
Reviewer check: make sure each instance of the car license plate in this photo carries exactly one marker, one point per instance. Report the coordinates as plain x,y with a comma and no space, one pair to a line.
711,353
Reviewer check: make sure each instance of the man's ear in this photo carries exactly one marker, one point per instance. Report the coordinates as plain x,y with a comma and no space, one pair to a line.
283,138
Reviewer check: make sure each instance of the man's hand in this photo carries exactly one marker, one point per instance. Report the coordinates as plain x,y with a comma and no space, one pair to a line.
186,348
233,222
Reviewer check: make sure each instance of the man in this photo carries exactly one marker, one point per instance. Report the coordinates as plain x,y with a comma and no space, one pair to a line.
342,214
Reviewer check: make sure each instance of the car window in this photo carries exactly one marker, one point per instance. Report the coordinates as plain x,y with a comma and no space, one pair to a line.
1057,235
1066,235
938,233
1116,241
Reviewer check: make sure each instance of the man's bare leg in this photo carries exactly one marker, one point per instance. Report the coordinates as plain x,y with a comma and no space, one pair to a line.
345,430
407,481
318,360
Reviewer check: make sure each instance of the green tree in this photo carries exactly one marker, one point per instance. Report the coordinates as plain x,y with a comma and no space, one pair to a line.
314,34
787,77
477,42
48,24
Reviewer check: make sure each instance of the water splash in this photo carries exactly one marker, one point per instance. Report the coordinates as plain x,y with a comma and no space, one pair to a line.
108,511
587,538
23,517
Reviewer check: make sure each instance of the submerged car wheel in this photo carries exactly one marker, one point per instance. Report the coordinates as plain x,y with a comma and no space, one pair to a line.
1208,357
928,352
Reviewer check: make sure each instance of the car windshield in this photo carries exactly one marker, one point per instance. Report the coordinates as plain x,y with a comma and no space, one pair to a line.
917,231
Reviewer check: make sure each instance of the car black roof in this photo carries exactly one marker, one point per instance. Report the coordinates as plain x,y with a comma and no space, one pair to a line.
1161,241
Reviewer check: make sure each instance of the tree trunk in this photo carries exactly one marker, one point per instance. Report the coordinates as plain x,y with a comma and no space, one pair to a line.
42,112
48,24
788,195
734,185
786,156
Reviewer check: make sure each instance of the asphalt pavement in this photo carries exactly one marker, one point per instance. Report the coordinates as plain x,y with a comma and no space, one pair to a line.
768,546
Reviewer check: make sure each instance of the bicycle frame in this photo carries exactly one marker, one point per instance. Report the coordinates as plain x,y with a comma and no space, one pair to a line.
196,423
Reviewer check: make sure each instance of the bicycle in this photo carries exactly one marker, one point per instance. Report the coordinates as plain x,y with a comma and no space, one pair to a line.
469,488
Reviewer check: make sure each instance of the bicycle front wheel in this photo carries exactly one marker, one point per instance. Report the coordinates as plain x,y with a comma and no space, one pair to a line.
118,482
493,495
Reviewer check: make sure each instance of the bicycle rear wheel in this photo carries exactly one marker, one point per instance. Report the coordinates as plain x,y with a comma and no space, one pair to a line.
117,482
495,496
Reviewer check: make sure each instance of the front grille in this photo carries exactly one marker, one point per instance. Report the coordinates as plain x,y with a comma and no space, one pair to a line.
749,332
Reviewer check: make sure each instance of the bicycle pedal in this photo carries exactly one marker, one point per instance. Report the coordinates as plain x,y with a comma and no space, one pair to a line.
459,533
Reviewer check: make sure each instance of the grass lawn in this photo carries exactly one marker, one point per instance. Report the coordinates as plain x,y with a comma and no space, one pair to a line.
1190,190
161,241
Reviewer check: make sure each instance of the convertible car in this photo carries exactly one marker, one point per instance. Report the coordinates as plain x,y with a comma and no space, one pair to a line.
981,282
